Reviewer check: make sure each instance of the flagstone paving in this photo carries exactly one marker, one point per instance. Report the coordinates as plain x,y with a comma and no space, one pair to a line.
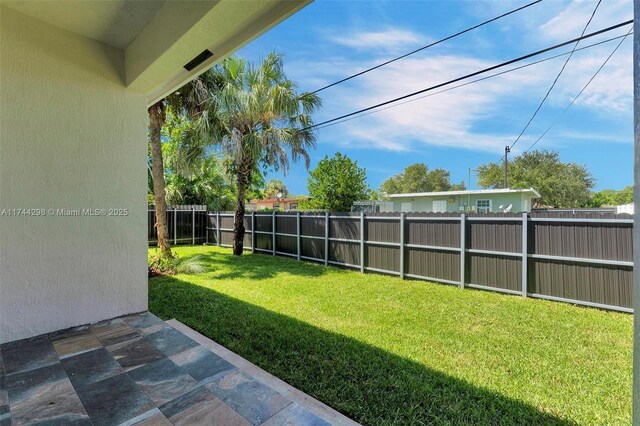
134,370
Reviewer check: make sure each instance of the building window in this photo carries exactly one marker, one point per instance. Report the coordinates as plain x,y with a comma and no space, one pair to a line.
483,206
276,206
293,206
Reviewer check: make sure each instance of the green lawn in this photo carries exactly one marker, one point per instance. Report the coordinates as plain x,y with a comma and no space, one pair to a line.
387,351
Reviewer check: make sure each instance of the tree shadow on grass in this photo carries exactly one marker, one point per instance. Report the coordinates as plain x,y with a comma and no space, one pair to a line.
363,382
258,266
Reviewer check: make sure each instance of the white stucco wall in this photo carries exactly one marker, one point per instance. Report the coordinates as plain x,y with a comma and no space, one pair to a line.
71,137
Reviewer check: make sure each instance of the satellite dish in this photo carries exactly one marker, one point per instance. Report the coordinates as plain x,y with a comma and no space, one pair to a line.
279,195
508,208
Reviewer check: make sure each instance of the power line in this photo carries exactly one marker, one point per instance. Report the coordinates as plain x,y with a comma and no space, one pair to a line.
473,74
581,91
471,82
535,113
427,46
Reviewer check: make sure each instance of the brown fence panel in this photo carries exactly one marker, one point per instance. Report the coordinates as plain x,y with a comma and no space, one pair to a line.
264,242
264,223
600,284
286,244
226,222
312,226
312,248
383,230
568,257
185,231
346,227
499,272
348,253
226,238
212,229
286,224
435,264
444,233
382,258
612,241
495,236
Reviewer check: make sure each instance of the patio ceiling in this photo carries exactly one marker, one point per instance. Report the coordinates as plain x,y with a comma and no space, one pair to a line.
157,38
116,22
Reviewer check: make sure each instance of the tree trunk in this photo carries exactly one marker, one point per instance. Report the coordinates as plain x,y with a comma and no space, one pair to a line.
238,217
156,121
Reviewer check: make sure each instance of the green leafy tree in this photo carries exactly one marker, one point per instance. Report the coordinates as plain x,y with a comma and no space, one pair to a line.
259,120
559,184
203,182
610,197
375,195
275,187
207,186
336,183
188,101
418,178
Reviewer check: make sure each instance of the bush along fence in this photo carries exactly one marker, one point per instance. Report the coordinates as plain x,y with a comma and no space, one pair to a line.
185,225
586,260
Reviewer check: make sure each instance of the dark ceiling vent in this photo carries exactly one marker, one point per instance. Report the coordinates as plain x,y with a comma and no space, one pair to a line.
206,54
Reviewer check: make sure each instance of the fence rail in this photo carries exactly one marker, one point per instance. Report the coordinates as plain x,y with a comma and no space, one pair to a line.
184,226
579,259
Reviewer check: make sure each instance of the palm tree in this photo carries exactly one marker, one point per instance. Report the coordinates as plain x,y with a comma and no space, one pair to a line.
259,120
188,100
207,185
157,117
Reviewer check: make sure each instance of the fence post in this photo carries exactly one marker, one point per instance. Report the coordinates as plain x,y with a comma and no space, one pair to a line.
362,241
253,232
525,252
402,245
193,225
298,233
326,238
463,248
218,228
273,230
175,226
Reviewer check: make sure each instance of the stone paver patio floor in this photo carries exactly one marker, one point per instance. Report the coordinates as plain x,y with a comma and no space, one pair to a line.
139,370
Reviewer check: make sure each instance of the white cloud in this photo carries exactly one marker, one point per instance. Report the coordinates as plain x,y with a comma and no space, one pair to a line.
389,39
570,22
453,119
594,137
611,92
447,119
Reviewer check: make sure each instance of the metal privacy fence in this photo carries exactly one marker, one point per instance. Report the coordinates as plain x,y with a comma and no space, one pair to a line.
586,260
185,225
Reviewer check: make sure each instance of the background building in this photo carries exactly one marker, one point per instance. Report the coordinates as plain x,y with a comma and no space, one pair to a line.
480,201
275,203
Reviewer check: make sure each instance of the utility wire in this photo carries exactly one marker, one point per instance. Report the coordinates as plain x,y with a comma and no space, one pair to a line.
581,91
473,74
427,46
472,82
535,113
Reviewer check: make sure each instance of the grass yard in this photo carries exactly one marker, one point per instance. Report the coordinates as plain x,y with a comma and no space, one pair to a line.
387,351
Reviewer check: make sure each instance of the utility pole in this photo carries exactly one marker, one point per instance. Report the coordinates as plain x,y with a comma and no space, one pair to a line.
507,150
469,188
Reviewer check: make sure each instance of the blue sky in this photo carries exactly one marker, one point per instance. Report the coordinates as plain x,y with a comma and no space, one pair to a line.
469,126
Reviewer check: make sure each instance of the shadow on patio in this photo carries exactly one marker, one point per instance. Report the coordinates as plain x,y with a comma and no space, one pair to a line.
368,384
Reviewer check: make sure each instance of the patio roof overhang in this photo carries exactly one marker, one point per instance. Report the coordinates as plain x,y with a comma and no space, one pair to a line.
158,38
76,79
